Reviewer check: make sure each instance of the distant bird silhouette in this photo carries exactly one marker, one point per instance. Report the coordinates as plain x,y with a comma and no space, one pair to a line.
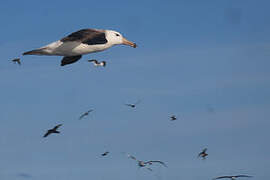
232,177
105,153
17,60
133,105
85,114
145,163
96,63
53,130
203,154
173,118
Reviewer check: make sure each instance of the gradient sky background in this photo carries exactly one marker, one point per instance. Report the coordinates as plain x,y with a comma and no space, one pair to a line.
205,61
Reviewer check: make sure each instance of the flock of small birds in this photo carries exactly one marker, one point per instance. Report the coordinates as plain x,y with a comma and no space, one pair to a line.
86,41
140,163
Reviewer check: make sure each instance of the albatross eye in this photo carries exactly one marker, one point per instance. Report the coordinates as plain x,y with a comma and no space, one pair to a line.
117,34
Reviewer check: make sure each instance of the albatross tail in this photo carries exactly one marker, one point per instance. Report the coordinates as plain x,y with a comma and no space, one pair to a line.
41,51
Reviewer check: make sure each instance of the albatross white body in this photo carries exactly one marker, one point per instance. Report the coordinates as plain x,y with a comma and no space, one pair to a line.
58,48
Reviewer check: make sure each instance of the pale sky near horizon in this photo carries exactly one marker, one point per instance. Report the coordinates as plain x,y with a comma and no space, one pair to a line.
207,62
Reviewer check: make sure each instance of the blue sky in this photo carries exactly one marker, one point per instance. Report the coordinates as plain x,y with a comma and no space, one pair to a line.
192,56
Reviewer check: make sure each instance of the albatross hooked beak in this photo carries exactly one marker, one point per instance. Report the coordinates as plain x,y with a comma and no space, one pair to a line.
129,43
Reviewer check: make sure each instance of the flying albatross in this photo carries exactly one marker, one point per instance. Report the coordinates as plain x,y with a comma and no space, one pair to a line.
203,154
173,118
105,153
53,130
145,163
81,42
85,114
96,63
133,105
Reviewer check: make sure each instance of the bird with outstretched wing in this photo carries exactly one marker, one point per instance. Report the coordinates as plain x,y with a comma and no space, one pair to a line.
160,162
133,105
53,130
203,154
85,114
145,163
232,177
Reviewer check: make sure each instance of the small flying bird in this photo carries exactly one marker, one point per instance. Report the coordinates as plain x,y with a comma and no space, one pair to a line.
203,154
85,114
105,153
53,130
232,177
145,163
96,63
133,105
17,60
173,118
79,43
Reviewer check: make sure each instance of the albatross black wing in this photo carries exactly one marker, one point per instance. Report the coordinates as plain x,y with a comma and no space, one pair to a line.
222,177
242,176
90,111
160,162
87,36
56,127
47,134
84,114
93,60
105,153
131,105
70,59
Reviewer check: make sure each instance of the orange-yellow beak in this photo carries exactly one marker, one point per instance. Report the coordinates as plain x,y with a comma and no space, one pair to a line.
129,43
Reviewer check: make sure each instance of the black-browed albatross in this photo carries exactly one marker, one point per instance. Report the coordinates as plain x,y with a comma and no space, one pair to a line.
81,42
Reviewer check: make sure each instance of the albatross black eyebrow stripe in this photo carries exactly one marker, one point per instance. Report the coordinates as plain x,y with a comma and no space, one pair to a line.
87,36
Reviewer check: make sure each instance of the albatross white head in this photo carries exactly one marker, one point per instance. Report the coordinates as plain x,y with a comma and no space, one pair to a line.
114,38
